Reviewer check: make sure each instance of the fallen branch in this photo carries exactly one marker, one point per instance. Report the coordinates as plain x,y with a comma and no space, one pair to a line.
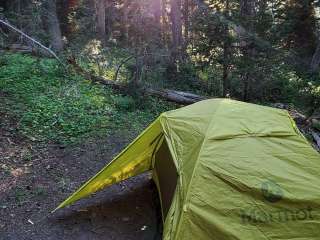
120,65
31,39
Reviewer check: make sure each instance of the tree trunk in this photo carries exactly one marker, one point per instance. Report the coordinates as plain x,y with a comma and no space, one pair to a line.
226,56
246,82
315,63
126,8
247,12
53,25
4,4
176,28
65,9
164,25
301,22
156,9
186,7
101,20
225,76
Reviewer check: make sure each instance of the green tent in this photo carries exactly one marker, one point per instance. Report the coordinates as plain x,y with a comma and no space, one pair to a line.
225,170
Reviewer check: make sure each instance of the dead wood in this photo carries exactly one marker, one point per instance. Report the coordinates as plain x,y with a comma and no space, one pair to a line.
178,97
11,27
316,138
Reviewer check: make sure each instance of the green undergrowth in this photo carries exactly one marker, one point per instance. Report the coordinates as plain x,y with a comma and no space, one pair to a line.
50,104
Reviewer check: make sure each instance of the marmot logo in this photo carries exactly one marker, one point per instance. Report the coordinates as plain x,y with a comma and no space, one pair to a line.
271,191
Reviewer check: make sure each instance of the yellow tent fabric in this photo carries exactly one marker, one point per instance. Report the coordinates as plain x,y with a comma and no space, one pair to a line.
244,172
132,161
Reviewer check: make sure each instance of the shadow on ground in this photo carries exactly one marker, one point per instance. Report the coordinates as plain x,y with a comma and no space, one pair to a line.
35,178
126,211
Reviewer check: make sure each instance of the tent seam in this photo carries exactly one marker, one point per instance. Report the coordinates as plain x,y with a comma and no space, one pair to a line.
186,199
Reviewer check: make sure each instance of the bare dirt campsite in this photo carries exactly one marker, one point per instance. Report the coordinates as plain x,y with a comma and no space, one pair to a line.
34,180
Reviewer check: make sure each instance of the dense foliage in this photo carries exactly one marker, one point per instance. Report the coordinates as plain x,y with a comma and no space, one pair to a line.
252,50
50,104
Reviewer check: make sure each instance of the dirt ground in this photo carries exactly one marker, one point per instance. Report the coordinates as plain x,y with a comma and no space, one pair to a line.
35,178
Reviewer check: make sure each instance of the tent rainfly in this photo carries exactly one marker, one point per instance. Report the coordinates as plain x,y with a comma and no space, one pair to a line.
224,170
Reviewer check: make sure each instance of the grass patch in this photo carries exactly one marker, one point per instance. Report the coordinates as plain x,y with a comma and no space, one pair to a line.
51,105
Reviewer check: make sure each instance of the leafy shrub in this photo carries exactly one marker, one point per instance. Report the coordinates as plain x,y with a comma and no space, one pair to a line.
124,102
52,105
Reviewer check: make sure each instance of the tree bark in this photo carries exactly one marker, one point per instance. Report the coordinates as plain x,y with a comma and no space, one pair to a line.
65,9
164,25
315,63
225,76
156,9
126,7
186,7
53,25
101,20
4,4
175,15
226,56
247,12
301,21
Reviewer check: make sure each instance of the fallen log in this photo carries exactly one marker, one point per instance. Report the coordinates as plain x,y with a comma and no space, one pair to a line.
72,61
178,97
175,96
183,98
20,48
316,138
301,120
